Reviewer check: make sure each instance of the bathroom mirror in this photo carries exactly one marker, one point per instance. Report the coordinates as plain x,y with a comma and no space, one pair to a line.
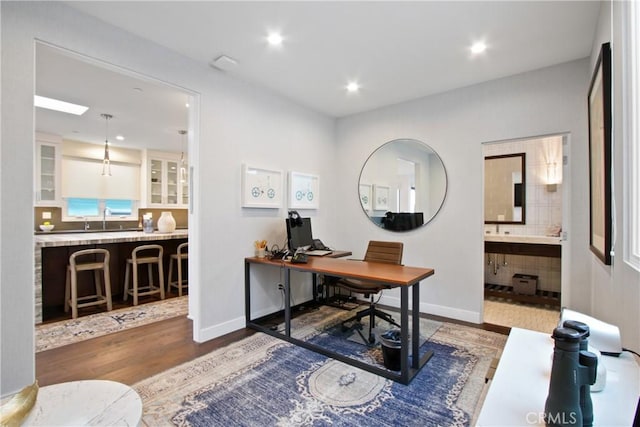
402,185
504,189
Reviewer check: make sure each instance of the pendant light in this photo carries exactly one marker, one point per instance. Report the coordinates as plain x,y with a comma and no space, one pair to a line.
183,163
106,162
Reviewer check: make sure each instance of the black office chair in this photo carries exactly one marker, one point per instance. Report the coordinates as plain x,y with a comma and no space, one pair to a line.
385,252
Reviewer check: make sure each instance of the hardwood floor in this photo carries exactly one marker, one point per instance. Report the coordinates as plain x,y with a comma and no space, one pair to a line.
128,356
134,354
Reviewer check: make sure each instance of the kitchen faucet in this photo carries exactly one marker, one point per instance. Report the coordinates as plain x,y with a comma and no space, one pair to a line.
104,218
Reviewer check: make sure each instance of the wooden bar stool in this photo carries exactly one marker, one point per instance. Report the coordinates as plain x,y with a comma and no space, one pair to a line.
152,255
181,255
75,265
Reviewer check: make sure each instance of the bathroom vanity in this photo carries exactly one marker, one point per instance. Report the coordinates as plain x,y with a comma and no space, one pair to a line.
523,245
499,246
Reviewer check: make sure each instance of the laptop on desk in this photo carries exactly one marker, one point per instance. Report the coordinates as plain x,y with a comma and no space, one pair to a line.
318,252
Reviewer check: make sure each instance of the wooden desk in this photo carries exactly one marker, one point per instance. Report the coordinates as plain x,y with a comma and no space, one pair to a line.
389,274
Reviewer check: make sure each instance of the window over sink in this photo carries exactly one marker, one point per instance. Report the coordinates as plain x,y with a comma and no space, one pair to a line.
92,209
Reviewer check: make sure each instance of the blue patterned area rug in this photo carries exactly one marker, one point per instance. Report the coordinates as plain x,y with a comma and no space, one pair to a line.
263,381
294,386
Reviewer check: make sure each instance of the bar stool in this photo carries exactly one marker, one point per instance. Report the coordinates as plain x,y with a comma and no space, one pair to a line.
181,255
71,298
152,256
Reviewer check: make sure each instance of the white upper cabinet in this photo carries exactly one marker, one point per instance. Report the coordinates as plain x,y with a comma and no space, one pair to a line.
47,170
166,181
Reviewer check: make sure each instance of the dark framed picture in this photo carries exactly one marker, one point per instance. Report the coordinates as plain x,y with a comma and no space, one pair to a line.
600,157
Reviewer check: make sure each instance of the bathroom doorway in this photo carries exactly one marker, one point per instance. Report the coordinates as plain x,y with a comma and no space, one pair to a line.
524,200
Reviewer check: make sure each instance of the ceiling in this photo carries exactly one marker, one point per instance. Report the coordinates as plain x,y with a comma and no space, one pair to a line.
397,51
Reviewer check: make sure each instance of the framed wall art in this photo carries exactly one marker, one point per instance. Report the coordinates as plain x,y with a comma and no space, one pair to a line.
261,188
365,196
304,191
600,157
380,197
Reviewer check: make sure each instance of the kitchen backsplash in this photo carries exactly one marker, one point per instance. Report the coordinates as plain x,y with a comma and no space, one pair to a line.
181,216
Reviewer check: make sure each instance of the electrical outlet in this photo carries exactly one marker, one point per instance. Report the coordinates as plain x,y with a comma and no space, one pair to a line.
280,286
46,215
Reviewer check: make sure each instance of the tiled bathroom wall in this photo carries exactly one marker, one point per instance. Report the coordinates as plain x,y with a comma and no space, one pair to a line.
543,207
543,212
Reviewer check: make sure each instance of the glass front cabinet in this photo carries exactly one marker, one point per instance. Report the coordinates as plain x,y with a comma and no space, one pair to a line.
167,183
48,160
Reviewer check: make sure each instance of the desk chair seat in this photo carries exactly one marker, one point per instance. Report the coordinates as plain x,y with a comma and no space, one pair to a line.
150,255
87,260
181,255
377,251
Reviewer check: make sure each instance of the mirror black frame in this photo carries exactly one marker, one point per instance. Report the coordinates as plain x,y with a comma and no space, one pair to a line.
523,192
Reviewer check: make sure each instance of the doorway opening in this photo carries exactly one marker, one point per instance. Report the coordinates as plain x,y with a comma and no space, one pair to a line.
524,201
152,128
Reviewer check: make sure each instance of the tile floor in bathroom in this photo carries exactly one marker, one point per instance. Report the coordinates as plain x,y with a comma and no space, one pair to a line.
526,316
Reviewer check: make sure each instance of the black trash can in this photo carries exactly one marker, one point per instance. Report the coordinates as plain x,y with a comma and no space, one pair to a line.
391,346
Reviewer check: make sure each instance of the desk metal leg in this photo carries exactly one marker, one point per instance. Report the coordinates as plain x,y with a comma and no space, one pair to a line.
415,319
287,302
404,335
247,293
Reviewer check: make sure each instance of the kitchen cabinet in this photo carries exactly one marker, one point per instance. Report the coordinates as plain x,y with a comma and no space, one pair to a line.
52,251
166,184
47,170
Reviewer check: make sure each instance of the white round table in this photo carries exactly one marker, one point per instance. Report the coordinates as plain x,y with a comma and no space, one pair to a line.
86,403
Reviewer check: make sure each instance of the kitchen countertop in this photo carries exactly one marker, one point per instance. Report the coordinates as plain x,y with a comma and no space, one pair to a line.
92,238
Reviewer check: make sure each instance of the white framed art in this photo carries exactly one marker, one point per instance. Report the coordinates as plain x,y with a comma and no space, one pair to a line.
365,196
380,197
261,187
304,191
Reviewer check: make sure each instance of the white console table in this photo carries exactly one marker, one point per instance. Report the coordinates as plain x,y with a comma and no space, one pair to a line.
520,386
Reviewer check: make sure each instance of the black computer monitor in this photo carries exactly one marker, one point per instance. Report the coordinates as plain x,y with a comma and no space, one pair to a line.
299,233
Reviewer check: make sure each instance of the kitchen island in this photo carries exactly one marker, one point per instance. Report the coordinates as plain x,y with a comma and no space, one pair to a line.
52,252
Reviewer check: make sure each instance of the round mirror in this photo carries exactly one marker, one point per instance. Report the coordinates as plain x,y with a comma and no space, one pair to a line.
402,185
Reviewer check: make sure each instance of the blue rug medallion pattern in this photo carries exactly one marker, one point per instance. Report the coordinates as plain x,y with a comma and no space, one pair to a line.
293,386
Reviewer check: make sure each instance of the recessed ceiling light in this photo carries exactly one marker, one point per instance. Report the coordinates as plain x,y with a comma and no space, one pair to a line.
57,105
353,87
186,105
478,47
275,39
120,137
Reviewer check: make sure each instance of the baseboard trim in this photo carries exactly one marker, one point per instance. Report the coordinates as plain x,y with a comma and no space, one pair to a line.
220,329
438,310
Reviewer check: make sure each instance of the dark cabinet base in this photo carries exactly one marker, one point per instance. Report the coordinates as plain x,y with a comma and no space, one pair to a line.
54,265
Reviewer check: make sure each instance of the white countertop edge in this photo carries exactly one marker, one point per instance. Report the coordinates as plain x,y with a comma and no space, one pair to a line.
69,239
514,238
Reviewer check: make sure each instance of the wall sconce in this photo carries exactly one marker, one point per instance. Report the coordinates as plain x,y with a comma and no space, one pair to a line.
552,177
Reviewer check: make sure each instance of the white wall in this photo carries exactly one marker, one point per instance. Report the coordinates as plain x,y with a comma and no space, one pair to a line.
238,123
616,288
455,124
